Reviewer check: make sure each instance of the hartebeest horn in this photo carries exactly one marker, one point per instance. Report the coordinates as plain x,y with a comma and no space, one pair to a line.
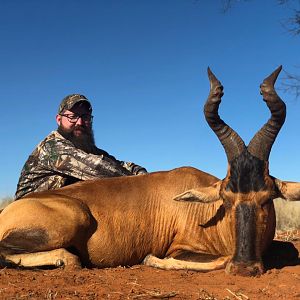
230,140
261,144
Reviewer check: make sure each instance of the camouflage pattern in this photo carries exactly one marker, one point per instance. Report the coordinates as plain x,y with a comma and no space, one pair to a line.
56,162
69,101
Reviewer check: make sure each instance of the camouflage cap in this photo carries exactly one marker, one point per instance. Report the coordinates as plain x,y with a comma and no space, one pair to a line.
69,101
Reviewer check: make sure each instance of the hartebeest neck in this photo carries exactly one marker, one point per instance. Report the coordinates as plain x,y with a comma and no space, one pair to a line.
200,225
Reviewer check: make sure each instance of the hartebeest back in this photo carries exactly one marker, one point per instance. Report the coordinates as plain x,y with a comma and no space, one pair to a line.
158,217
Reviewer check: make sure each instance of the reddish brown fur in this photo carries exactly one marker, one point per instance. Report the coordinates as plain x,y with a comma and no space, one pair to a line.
119,221
134,216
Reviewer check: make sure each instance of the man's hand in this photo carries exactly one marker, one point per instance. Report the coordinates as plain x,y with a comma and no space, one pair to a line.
141,171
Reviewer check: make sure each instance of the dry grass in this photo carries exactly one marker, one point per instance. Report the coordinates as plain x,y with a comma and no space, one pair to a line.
287,215
5,201
290,235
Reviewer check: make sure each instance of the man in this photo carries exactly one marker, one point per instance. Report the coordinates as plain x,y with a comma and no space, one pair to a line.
69,154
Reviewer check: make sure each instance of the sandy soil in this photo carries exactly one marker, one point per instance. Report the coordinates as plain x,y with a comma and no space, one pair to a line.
281,281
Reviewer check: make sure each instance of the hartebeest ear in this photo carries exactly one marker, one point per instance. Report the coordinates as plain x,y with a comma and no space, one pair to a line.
203,195
288,190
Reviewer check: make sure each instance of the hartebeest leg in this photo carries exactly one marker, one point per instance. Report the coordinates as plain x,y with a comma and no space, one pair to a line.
55,258
33,231
175,264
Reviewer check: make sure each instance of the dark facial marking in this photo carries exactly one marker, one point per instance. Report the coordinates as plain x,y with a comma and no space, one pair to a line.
245,233
246,174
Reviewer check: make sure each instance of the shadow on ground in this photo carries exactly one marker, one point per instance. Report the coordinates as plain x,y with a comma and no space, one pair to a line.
281,254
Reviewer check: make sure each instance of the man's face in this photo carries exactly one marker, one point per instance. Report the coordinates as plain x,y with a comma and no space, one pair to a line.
76,125
76,120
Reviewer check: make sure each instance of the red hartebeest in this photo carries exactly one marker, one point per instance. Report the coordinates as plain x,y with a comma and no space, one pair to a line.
130,220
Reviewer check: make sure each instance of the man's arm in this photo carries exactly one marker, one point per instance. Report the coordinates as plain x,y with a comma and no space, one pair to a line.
62,157
133,168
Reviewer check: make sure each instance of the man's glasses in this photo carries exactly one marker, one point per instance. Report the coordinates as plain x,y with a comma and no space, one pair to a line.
74,118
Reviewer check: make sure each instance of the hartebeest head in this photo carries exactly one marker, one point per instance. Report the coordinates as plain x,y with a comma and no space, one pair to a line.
248,190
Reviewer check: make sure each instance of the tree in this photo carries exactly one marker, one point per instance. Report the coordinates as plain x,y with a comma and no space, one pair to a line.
291,82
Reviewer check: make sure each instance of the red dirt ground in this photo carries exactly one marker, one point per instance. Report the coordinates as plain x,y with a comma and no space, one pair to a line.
281,281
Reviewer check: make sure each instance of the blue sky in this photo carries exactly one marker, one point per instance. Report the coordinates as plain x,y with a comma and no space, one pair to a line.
143,66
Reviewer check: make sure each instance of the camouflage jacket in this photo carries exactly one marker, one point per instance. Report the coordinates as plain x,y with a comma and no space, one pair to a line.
56,162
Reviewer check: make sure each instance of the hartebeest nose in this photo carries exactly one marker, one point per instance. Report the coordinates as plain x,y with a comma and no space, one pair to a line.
245,268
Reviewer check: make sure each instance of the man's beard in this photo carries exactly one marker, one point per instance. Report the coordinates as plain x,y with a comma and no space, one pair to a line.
85,141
